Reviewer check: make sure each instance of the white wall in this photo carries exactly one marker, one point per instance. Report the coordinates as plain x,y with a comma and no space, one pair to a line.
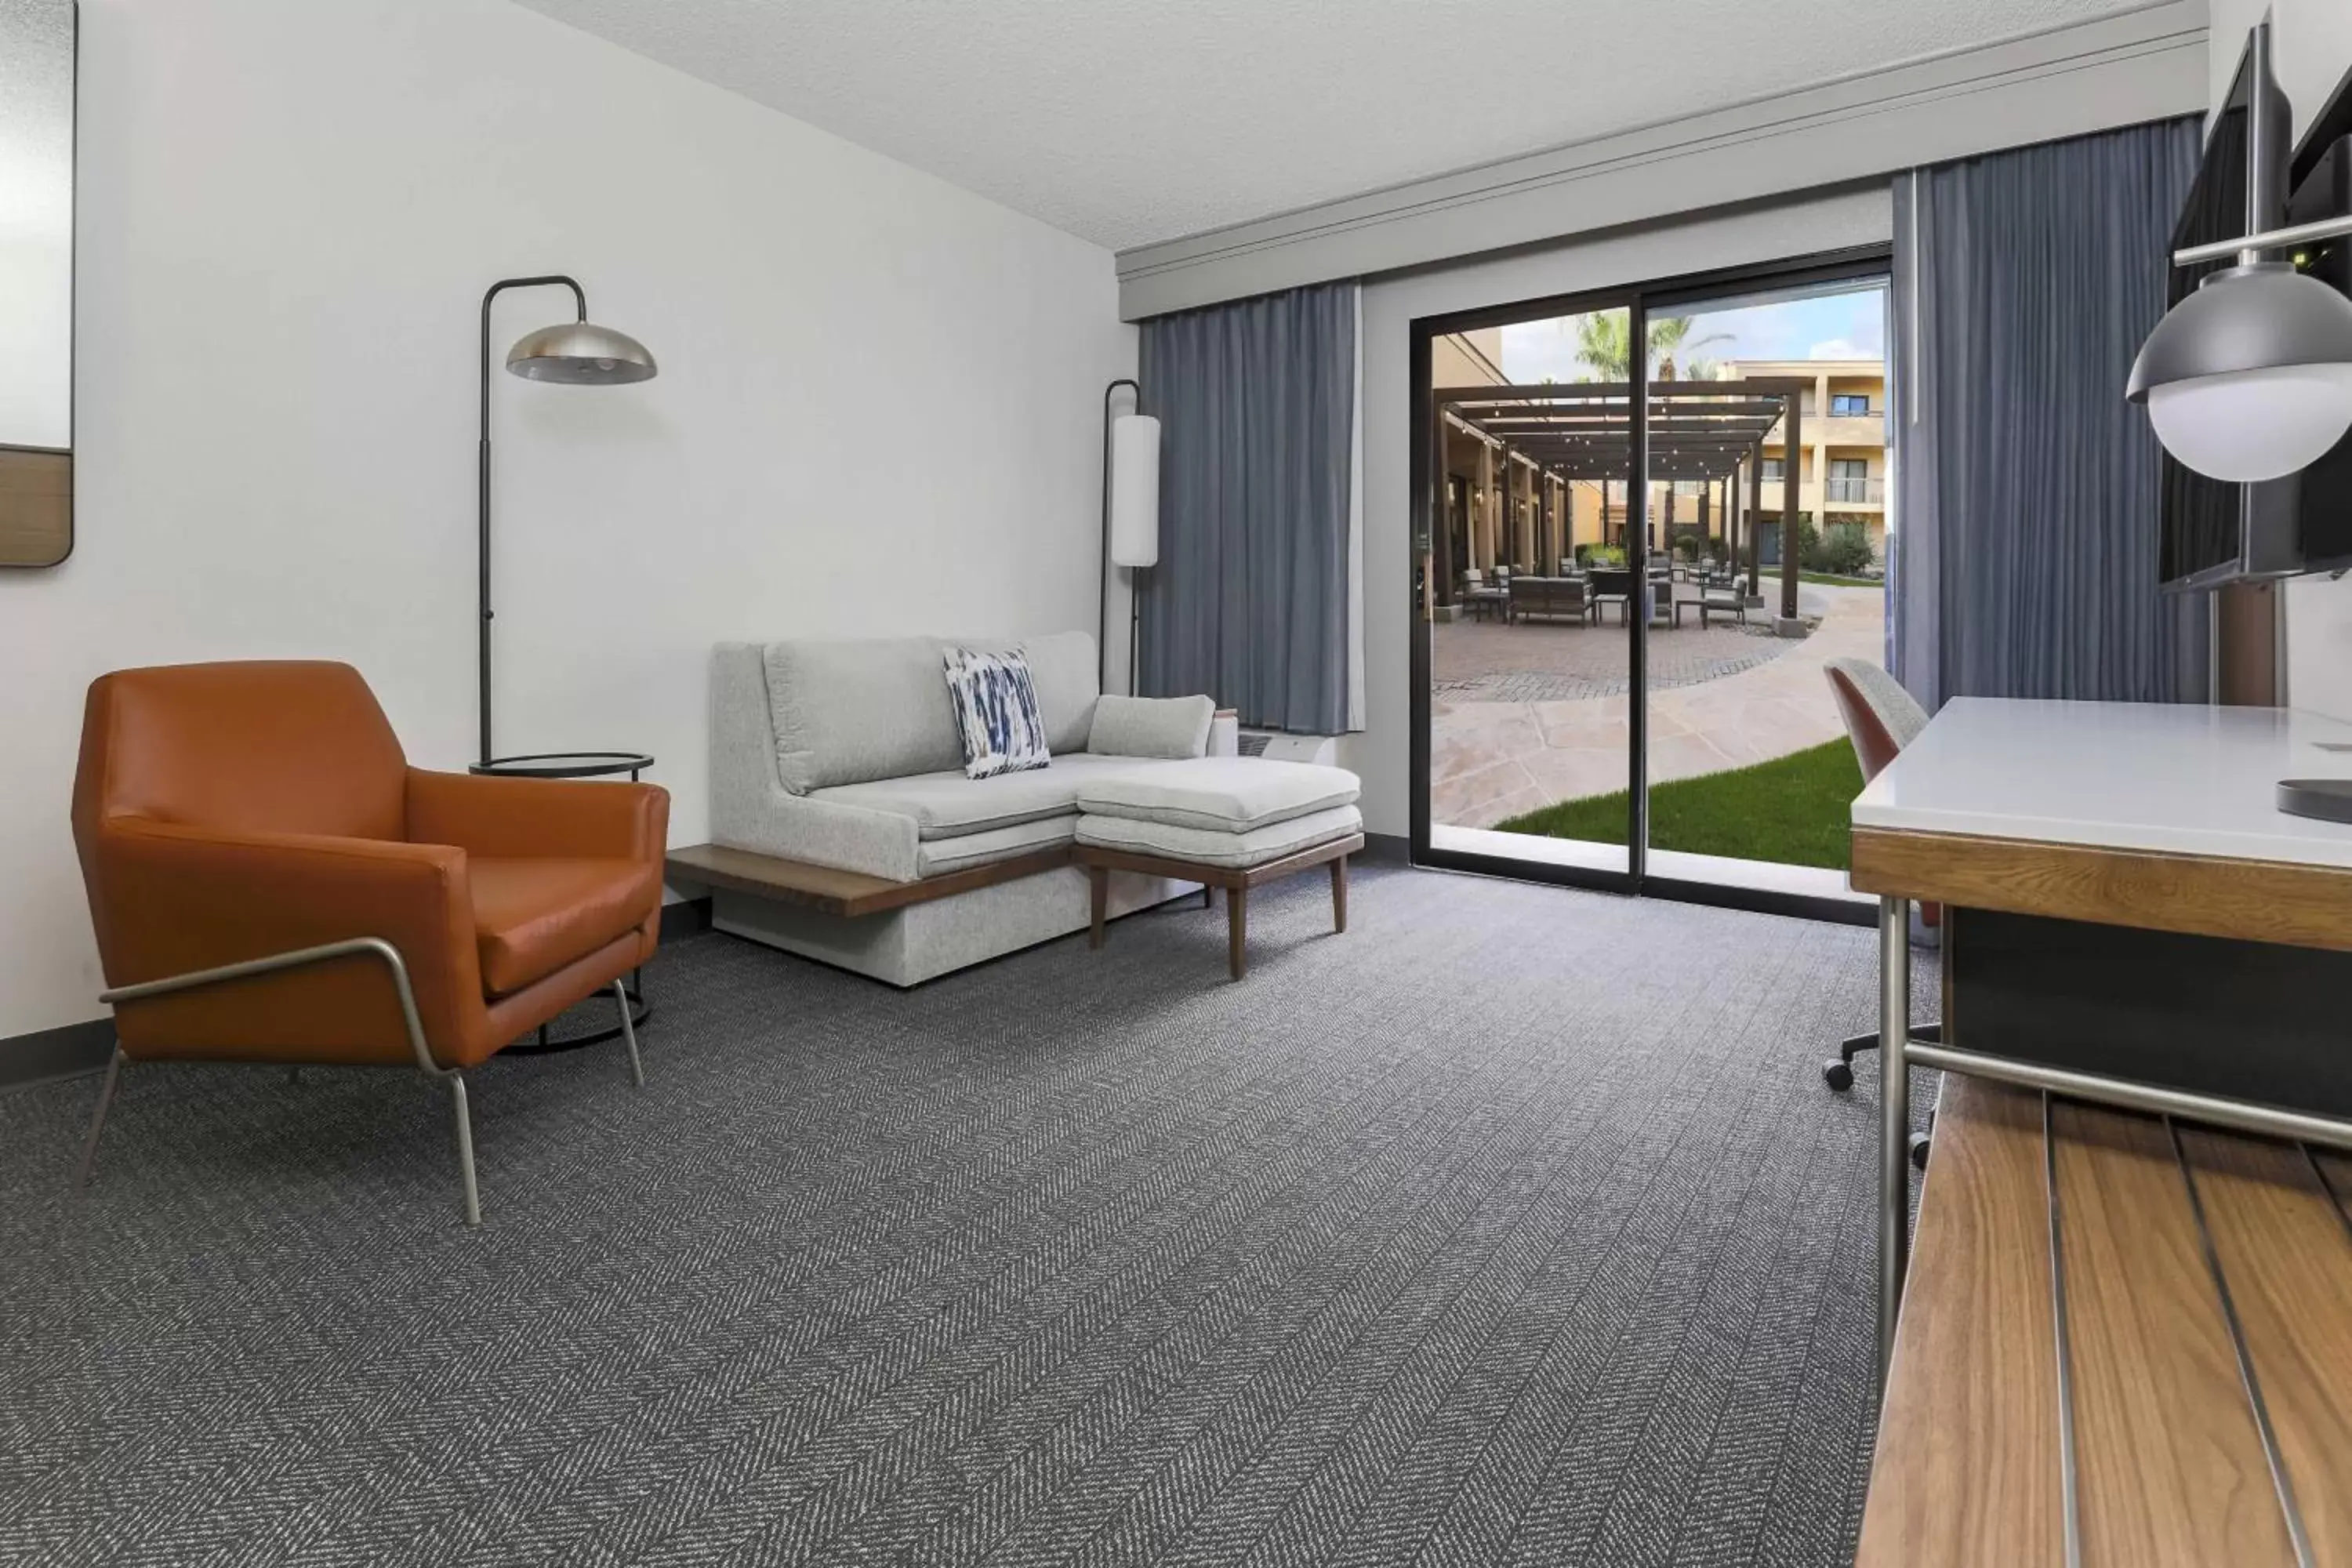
2311,48
1382,752
878,409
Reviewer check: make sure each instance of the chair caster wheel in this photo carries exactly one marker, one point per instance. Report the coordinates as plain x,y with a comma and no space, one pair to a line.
1838,1075
1919,1150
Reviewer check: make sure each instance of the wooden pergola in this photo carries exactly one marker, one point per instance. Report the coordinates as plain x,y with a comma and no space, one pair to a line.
1706,431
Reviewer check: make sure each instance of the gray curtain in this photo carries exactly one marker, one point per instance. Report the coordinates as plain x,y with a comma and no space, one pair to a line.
1256,403
2025,561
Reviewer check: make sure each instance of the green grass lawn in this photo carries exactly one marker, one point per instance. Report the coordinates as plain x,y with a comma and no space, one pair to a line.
1827,581
1791,810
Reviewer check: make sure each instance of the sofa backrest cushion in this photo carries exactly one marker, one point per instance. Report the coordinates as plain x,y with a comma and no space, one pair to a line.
1063,668
1173,728
853,709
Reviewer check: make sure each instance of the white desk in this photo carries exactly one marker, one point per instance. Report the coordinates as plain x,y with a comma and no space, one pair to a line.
2169,778
2156,817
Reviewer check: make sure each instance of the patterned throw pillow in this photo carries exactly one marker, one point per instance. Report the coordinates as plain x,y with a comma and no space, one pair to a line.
996,707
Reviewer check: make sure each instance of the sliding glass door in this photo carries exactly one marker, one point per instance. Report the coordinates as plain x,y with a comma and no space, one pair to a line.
1529,631
1647,523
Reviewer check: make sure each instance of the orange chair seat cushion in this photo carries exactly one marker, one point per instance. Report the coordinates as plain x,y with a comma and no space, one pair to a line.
533,917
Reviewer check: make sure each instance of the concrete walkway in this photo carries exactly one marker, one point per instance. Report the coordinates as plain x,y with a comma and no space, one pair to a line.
1490,760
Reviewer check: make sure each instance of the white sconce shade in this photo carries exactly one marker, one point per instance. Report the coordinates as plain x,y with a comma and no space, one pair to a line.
1135,490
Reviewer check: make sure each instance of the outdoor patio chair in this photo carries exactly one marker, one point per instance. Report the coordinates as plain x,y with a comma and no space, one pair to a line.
1689,596
1481,598
1721,599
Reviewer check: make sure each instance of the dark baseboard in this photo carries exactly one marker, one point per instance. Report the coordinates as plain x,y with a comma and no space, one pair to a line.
1385,849
690,917
63,1052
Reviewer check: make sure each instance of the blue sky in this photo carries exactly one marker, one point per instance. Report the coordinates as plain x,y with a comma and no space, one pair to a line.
1837,326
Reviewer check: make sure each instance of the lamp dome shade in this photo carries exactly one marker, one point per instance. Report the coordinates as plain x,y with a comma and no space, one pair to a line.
2249,378
581,353
1135,490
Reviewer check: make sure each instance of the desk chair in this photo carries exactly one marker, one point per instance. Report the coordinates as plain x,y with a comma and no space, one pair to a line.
271,881
1881,719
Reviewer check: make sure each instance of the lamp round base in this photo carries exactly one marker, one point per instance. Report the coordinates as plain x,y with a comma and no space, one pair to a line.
544,1045
2324,800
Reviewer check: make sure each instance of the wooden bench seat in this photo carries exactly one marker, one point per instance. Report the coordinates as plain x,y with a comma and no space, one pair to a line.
837,892
2203,1380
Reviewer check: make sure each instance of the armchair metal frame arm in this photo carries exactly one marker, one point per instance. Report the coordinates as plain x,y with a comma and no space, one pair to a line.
353,947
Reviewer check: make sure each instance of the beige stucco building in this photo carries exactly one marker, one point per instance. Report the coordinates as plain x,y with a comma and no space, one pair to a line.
1844,468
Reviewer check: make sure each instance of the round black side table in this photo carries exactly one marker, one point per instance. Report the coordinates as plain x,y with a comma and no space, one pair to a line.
566,765
577,765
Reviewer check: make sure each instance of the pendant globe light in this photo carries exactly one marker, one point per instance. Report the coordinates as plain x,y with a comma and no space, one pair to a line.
2249,378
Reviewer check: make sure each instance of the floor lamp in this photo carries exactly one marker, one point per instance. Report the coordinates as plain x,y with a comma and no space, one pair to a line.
1130,518
571,353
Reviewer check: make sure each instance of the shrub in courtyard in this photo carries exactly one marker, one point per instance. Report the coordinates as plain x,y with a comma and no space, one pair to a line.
1845,550
1687,547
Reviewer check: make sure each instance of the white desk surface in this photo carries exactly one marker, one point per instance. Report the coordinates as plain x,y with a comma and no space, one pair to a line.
2171,778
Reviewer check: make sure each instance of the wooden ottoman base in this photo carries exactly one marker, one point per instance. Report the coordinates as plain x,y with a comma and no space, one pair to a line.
1236,880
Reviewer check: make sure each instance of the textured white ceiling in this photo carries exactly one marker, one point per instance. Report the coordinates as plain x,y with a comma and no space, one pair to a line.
1127,122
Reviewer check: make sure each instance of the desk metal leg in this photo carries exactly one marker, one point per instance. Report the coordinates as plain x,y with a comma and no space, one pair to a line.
1895,1117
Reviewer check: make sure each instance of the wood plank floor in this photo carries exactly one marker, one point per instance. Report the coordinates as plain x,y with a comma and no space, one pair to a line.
2201,1387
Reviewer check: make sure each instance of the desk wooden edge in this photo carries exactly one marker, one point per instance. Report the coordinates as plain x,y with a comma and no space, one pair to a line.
837,892
2199,895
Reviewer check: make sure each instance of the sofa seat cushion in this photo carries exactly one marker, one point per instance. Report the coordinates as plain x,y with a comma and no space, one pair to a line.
938,856
533,917
1218,846
949,806
1230,794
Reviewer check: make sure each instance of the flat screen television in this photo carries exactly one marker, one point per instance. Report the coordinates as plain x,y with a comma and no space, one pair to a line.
2216,532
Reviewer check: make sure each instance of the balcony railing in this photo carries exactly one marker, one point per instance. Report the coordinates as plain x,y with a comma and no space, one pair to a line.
1856,492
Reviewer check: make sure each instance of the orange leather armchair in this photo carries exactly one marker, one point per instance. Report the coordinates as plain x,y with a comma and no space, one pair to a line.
271,881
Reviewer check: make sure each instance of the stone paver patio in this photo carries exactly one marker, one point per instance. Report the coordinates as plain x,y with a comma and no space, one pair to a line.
1549,662
1490,760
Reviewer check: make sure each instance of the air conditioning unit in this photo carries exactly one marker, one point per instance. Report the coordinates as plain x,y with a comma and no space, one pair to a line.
1283,748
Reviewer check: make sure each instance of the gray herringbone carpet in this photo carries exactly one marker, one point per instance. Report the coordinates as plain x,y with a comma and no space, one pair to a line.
1513,1226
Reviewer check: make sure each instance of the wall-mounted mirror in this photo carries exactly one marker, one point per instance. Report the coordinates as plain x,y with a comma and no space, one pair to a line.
36,227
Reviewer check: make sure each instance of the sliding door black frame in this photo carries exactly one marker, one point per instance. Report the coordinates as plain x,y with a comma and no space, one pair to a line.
1425,469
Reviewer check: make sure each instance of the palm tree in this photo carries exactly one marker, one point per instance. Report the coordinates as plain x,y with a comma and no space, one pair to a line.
1669,336
1602,344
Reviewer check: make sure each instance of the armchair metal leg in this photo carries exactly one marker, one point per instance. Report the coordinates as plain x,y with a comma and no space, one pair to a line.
465,1148
97,1118
629,1035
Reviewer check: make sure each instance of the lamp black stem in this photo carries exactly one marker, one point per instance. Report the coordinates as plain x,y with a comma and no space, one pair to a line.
1102,580
580,297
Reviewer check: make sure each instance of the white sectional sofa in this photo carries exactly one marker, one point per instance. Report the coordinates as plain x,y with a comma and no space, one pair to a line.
845,755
